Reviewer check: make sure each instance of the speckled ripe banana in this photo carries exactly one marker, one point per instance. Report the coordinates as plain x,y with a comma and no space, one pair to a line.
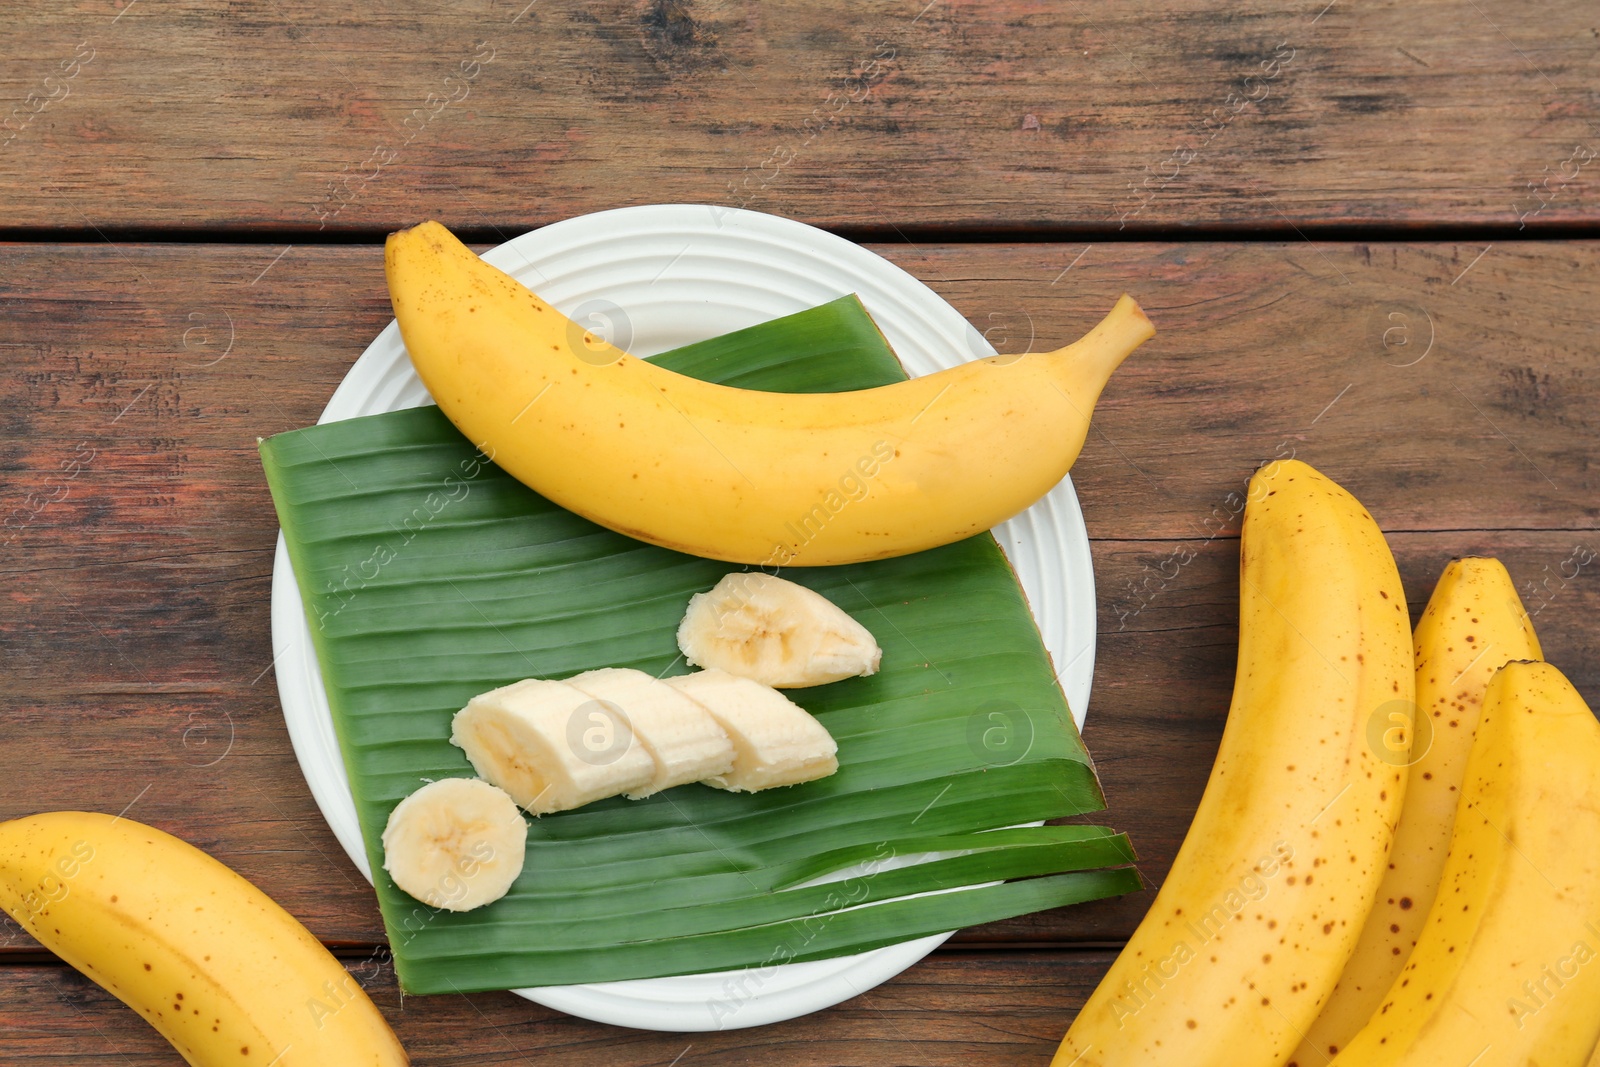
1507,966
205,957
1474,623
777,479
1264,901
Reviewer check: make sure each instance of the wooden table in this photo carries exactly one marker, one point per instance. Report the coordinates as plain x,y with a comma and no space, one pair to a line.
1367,233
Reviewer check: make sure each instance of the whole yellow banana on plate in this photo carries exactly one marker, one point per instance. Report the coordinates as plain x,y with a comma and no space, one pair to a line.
778,479
208,959
1507,967
1277,874
1473,625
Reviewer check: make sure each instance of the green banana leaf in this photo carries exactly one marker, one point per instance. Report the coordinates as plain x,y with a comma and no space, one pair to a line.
430,576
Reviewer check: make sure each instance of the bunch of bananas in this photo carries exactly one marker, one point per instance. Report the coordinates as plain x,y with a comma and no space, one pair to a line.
1394,862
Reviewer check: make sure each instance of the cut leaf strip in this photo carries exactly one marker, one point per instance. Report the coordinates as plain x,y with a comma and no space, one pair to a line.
796,940
1102,847
691,906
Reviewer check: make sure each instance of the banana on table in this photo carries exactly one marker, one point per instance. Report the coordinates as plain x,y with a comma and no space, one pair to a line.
1506,969
209,960
1474,623
1269,892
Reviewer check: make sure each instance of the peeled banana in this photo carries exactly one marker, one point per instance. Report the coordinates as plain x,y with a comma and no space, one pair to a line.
775,742
1473,624
558,745
776,632
1505,969
1265,899
778,479
455,844
551,746
205,957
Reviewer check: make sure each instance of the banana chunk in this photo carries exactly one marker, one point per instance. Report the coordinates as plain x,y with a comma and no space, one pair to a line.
551,746
775,742
775,632
455,844
680,735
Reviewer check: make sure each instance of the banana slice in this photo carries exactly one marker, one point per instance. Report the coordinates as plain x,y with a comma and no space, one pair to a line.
775,742
551,746
775,632
455,844
680,735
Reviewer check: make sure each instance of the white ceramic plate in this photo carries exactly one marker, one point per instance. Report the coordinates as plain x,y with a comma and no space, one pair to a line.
650,279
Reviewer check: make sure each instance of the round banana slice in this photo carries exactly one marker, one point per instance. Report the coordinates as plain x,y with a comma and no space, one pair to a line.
775,632
455,844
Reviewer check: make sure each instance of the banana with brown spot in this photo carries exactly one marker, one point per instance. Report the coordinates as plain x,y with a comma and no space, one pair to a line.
209,960
1507,967
1473,624
1275,879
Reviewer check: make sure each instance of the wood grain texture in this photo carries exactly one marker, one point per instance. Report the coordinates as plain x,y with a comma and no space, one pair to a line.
957,1009
1452,385
1448,386
1421,375
136,576
986,116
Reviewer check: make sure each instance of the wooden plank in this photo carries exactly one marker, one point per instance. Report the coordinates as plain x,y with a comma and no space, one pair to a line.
1397,368
136,577
1450,386
956,1008
987,116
